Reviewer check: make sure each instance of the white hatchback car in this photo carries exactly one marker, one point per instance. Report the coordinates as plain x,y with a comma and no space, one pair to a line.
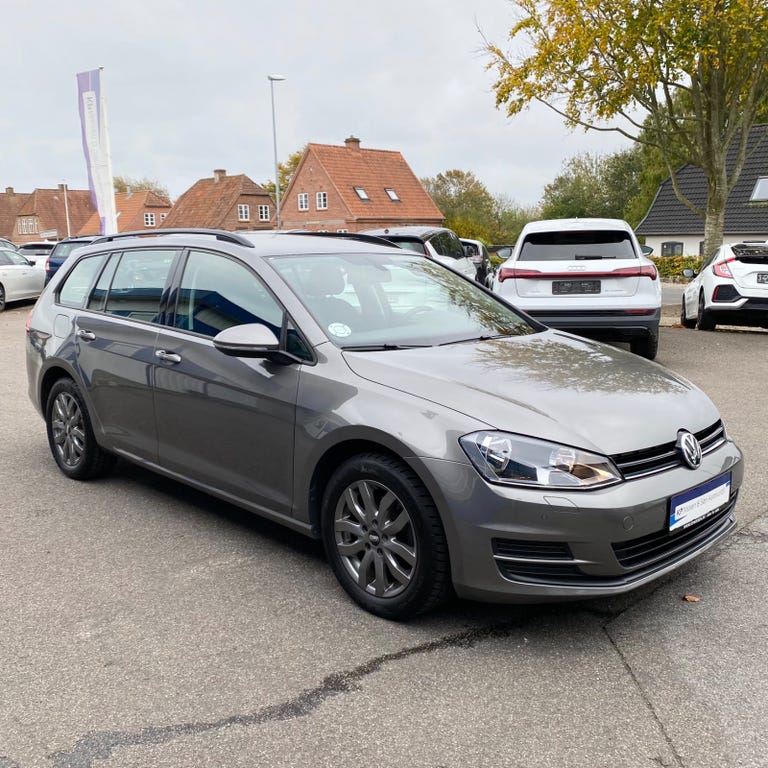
589,276
19,279
730,288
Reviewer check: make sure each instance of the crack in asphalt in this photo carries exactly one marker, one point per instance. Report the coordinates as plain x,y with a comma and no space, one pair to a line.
101,744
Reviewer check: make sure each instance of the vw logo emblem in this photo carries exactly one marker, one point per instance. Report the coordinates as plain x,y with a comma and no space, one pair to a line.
689,447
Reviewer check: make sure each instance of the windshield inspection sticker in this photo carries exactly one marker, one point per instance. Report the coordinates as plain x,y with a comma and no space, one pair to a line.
339,330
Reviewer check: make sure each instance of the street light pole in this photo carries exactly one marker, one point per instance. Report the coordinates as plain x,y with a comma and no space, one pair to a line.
272,79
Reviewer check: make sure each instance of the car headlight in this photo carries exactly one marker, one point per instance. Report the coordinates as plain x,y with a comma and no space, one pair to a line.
501,457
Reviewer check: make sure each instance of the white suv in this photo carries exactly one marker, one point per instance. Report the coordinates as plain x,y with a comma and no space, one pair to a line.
589,276
730,288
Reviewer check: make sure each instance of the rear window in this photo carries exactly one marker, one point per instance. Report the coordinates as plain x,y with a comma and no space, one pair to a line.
577,246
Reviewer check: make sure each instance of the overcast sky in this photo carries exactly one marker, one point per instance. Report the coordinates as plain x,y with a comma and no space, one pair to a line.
187,90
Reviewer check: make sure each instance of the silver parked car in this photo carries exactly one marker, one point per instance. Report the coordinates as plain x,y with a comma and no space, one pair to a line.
432,436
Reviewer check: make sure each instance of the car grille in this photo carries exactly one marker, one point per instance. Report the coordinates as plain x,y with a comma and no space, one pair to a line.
660,458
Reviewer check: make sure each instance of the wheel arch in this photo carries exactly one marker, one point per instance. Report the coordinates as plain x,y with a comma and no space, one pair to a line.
345,449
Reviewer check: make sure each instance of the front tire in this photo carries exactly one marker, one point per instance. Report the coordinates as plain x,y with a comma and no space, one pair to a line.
384,538
704,321
70,434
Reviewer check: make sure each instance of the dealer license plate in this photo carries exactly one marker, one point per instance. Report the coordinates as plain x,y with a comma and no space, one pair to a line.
762,277
698,503
560,287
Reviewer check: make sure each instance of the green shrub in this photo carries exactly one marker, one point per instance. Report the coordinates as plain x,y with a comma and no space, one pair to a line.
673,266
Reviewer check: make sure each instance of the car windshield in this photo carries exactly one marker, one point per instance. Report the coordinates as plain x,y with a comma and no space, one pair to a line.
390,301
577,246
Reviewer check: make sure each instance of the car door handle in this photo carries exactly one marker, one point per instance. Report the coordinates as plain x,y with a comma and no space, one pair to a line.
86,335
167,357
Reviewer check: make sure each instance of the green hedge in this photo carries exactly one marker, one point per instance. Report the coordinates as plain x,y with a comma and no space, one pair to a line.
673,266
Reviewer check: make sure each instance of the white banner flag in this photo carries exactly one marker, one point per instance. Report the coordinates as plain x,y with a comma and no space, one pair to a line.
93,119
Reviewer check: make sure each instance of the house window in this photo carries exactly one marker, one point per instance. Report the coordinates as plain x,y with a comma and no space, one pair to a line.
760,192
162,216
263,213
27,226
392,194
342,231
149,219
243,213
361,193
303,201
671,248
321,201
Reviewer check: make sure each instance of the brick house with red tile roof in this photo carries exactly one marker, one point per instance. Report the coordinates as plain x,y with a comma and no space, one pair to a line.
143,209
223,202
349,188
44,214
11,202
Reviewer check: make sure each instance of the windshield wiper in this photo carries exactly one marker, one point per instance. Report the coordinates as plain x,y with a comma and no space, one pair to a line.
381,347
476,338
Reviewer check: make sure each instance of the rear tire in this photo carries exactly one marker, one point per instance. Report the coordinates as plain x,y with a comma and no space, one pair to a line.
384,538
684,321
70,434
2,298
646,346
704,321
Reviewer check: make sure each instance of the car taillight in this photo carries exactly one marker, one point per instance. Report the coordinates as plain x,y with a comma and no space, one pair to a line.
646,270
28,324
506,273
48,264
721,268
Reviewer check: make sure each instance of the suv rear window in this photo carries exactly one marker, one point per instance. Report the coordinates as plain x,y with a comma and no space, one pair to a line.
577,246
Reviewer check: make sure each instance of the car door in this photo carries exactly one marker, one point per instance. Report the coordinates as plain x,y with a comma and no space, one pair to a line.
224,423
114,334
18,276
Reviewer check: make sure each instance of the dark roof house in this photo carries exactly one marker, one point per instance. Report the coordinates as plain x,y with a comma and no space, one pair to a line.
348,188
671,228
223,202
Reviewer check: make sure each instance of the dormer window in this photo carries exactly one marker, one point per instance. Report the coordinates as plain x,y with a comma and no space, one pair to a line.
361,193
760,192
392,194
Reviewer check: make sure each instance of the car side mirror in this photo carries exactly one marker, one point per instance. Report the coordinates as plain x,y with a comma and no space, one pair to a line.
252,340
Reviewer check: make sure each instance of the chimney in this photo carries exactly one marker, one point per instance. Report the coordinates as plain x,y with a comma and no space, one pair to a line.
9,191
353,143
219,174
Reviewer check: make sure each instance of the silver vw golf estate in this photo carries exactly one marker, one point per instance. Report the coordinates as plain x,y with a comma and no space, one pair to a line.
432,436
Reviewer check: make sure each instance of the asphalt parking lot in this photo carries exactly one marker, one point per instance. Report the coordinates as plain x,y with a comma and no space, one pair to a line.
144,624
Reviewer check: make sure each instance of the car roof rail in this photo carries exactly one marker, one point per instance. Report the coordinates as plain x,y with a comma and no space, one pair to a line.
360,236
219,234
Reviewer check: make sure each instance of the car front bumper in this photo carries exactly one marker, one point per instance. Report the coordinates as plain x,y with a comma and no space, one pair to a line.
523,545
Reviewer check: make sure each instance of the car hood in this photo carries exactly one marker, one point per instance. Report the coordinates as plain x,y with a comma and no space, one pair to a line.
550,385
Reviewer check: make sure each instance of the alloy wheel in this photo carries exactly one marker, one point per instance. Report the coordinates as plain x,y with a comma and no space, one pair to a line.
374,536
67,429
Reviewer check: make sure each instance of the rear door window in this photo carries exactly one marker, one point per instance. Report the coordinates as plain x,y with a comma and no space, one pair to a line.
138,283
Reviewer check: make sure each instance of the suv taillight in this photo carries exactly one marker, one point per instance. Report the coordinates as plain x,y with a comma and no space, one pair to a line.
48,264
515,272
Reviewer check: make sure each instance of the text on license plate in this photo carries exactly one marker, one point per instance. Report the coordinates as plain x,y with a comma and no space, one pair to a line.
686,508
762,277
575,286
